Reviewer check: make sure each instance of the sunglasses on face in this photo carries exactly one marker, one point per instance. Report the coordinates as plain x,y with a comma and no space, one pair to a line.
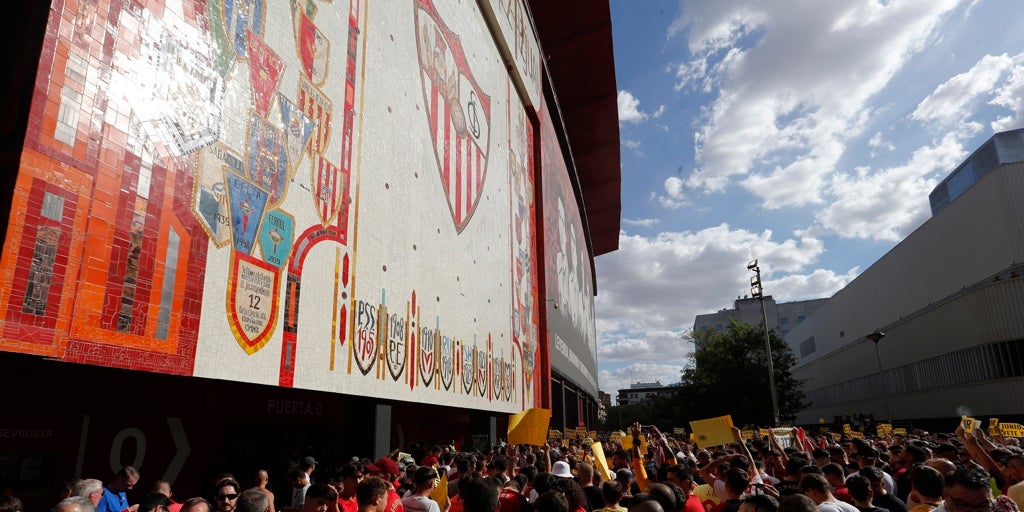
226,497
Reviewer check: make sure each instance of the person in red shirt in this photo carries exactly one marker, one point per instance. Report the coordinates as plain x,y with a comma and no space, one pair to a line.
351,474
431,458
836,476
387,469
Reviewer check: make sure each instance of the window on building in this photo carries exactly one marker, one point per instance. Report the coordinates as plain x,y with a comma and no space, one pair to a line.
719,328
807,347
784,320
800,318
703,328
785,332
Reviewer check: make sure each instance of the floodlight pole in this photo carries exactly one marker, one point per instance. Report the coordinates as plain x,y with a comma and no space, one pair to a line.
758,291
875,337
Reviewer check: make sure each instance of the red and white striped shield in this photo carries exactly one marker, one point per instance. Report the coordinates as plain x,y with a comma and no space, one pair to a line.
317,106
458,112
329,186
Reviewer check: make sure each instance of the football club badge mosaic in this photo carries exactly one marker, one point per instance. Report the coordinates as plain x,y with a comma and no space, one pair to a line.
447,366
458,114
314,51
329,189
210,195
468,365
317,106
267,158
481,372
397,345
276,235
230,19
297,129
252,298
247,203
265,68
365,344
427,349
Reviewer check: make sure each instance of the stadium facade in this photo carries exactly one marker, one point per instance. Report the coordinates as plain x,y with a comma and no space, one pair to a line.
239,232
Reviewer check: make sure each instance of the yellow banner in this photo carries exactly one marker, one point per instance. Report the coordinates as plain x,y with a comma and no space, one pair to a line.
554,434
846,428
747,434
969,424
836,436
601,462
713,431
529,427
679,431
900,431
627,443
764,432
857,435
884,428
1012,429
440,493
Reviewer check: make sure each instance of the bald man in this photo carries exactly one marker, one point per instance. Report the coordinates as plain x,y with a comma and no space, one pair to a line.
75,504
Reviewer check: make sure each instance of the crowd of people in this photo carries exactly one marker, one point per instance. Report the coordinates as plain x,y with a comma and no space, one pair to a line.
648,472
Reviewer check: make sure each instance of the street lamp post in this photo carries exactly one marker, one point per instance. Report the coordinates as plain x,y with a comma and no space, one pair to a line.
876,336
757,291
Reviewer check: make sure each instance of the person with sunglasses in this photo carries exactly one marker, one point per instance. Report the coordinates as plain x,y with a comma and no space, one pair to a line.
225,497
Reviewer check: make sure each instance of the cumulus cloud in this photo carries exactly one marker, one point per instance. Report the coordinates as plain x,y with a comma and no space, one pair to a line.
629,108
783,112
640,222
818,284
674,198
890,203
877,141
1010,95
653,288
947,105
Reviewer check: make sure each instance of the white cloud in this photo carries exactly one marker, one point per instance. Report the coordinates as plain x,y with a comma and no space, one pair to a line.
818,284
674,197
787,104
653,288
1010,95
659,112
640,222
890,203
629,108
947,105
877,141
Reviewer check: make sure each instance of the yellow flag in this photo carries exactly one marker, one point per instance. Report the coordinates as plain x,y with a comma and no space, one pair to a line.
529,427
440,493
601,462
713,431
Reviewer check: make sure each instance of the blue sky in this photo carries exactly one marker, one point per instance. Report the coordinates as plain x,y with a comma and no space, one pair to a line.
806,134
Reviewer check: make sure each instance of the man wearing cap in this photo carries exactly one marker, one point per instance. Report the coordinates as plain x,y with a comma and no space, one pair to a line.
307,467
387,469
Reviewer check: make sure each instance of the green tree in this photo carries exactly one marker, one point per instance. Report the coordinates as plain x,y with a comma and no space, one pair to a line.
730,376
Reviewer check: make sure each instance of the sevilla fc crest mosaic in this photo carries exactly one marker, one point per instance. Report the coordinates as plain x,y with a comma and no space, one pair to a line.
458,114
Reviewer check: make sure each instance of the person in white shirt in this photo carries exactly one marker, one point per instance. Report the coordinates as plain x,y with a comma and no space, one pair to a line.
816,487
425,480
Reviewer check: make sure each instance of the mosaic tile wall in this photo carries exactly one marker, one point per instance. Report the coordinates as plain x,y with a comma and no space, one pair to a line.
330,195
